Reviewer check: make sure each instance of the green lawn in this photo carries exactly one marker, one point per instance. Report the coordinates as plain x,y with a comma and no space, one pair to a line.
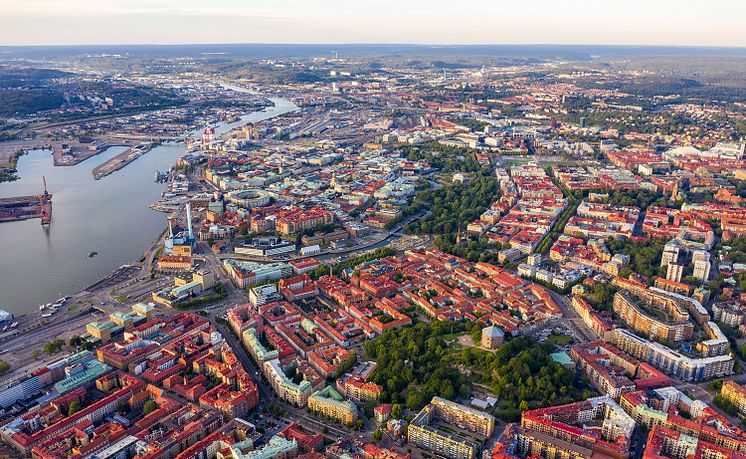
560,340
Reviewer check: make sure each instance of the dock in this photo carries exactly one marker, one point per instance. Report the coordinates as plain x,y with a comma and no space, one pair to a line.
23,207
121,160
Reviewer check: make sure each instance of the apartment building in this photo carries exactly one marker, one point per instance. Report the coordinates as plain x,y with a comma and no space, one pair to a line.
674,324
331,403
565,431
356,388
671,362
449,443
734,393
283,386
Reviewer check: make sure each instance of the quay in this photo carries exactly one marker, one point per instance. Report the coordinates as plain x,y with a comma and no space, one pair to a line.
26,207
121,160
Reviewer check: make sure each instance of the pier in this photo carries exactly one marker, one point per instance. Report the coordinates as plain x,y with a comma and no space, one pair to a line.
26,207
121,160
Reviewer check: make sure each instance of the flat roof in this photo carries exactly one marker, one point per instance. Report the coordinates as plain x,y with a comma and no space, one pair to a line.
562,358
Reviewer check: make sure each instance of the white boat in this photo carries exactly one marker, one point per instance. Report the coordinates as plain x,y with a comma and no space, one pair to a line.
47,314
14,325
42,307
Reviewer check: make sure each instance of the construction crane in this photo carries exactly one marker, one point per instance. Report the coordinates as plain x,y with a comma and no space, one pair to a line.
45,204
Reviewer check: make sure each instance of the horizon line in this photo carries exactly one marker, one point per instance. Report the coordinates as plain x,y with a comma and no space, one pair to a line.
443,45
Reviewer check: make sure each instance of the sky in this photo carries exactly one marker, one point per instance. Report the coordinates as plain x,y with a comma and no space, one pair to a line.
616,22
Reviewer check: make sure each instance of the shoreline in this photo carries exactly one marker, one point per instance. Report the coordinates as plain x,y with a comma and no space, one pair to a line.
157,238
11,165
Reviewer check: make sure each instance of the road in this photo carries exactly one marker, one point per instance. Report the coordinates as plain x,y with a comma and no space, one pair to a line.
266,393
571,319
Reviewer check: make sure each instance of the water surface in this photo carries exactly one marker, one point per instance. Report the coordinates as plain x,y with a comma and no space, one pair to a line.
110,216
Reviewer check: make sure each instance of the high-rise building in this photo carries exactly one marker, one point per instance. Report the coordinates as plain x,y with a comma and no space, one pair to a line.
702,270
674,272
700,255
670,254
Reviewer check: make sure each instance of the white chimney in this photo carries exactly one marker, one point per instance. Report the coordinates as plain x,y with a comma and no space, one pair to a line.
189,220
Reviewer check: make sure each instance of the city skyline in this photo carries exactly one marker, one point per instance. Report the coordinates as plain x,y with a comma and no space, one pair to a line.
85,22
316,229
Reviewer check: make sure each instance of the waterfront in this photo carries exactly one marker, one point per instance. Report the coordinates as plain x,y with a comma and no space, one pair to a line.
109,216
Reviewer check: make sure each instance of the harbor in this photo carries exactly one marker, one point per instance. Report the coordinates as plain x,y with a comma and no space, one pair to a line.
120,160
110,216
27,207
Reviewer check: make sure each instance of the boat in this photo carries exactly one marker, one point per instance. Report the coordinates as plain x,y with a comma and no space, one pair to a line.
47,314
14,325
92,254
42,307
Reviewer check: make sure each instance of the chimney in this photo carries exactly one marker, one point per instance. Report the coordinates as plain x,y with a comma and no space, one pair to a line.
189,220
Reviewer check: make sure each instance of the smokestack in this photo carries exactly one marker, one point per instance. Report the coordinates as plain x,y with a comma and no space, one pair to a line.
189,220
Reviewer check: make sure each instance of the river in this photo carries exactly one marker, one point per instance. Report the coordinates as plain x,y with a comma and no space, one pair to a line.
109,216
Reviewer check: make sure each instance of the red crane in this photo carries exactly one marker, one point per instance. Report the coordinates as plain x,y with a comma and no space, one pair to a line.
45,204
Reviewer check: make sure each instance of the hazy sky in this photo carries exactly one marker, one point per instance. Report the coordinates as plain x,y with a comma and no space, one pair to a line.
664,22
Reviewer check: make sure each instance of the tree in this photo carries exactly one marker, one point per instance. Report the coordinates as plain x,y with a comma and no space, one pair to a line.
149,407
73,408
345,365
124,407
4,367
453,206
54,346
645,255
426,374
368,406
639,198
377,435
396,411
725,405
